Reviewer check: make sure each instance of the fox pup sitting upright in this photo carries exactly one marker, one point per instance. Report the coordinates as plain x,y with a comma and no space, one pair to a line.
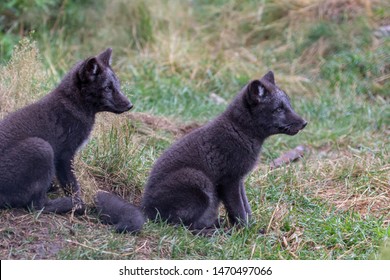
39,141
209,165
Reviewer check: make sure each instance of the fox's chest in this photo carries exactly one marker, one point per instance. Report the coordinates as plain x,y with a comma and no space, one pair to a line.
241,163
72,137
78,139
229,160
82,145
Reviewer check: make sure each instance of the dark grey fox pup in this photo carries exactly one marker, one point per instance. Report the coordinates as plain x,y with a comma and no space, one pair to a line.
39,141
208,166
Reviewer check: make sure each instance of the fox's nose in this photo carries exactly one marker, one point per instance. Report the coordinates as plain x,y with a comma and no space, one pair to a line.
130,106
304,124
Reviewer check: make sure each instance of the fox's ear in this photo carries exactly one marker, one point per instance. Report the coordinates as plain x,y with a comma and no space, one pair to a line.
255,92
269,77
89,69
105,57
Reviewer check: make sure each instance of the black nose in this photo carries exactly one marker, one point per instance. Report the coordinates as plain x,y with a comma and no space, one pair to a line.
129,106
304,124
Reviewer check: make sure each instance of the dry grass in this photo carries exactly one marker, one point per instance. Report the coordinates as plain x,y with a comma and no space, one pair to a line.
33,236
360,185
349,182
21,79
150,124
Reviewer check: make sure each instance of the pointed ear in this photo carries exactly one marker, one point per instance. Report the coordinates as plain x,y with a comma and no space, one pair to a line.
269,77
105,57
255,92
89,69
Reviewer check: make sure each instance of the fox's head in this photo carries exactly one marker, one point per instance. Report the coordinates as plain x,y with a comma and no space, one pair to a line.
266,109
100,87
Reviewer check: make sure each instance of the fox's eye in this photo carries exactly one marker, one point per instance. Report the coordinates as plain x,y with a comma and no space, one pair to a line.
107,88
279,109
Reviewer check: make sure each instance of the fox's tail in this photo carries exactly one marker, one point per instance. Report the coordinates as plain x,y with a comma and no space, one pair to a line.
116,211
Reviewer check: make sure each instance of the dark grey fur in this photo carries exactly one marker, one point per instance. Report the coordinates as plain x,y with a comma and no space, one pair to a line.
209,165
39,141
116,211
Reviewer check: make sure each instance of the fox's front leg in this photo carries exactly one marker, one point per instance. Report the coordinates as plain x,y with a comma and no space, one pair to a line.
245,200
232,197
66,177
68,182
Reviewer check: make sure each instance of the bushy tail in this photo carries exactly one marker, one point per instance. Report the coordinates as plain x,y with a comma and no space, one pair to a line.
116,211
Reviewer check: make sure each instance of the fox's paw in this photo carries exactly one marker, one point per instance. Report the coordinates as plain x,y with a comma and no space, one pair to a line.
78,205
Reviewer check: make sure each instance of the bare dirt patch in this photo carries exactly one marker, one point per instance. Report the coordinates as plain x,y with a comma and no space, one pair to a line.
27,235
156,123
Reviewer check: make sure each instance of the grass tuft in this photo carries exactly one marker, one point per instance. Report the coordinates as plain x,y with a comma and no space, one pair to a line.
22,79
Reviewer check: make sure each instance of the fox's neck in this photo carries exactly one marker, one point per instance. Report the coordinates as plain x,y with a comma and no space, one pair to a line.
240,119
69,97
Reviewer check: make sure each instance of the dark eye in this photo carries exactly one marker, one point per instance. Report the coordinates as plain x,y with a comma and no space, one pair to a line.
107,88
279,109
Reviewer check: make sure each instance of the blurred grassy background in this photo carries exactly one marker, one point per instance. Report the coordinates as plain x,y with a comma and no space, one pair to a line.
173,56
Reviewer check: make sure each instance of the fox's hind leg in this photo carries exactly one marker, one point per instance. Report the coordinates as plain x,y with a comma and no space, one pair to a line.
26,172
63,205
186,196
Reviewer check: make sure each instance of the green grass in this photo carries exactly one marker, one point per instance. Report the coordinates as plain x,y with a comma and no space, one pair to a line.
170,56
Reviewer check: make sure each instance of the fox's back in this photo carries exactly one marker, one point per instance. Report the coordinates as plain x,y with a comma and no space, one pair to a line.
184,152
23,123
